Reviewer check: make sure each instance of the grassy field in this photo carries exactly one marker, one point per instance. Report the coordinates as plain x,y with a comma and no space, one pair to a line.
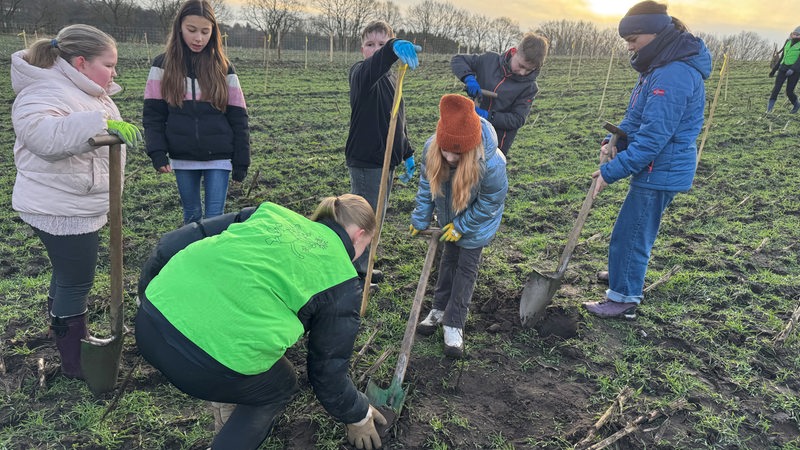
703,366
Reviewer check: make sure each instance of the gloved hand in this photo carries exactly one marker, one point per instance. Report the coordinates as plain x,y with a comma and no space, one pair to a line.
482,112
363,434
407,52
239,174
410,168
129,133
449,233
473,88
413,230
790,72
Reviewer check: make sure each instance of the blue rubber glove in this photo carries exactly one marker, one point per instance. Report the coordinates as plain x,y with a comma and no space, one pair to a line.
473,88
482,112
410,168
407,52
789,72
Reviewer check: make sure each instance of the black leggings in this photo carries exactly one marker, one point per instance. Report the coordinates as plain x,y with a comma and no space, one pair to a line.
74,259
259,399
791,82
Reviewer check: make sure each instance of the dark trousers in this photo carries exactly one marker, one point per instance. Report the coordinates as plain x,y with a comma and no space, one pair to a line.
74,259
367,183
458,270
791,83
259,398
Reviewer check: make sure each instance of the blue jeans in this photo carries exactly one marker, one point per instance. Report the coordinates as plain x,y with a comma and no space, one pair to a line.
366,183
631,241
215,184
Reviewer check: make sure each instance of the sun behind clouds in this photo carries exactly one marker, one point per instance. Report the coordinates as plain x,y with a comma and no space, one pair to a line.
616,8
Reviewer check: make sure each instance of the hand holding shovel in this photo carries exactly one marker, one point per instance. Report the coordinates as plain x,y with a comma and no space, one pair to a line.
540,289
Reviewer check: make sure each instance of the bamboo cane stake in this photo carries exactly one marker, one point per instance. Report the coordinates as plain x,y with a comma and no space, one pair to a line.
722,71
605,86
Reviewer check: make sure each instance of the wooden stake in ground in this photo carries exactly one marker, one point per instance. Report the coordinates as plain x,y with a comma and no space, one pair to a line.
382,194
722,72
605,86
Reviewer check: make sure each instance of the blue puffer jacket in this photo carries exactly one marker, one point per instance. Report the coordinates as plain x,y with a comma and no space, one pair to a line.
663,119
480,221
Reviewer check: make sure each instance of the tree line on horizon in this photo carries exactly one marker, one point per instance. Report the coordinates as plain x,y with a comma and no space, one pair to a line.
438,25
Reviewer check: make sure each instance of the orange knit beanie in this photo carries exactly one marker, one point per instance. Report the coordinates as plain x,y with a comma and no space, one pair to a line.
459,128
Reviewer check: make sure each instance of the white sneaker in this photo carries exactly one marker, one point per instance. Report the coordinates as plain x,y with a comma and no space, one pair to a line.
428,326
453,341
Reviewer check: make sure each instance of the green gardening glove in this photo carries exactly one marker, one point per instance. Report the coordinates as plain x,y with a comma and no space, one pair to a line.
129,134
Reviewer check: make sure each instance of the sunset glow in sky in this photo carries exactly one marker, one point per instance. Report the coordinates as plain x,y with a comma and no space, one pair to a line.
772,19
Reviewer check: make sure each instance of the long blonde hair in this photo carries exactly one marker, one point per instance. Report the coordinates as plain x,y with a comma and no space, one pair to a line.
210,65
347,209
466,176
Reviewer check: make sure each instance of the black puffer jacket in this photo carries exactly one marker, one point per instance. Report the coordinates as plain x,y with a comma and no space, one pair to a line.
509,111
196,131
371,96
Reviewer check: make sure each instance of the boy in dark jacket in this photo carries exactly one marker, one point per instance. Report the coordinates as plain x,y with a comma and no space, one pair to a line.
787,67
372,88
512,76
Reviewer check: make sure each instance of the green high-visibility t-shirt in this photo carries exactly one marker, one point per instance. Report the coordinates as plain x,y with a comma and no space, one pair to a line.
791,52
236,295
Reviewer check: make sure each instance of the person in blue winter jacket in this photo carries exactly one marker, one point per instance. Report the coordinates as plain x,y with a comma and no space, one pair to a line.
662,122
463,178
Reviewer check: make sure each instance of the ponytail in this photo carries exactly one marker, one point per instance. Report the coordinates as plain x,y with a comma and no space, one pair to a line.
71,42
347,209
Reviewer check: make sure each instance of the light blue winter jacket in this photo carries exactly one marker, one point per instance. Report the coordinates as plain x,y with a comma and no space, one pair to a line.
663,120
480,221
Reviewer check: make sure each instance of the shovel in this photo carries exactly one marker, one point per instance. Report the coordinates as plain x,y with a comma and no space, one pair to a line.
395,395
100,358
540,288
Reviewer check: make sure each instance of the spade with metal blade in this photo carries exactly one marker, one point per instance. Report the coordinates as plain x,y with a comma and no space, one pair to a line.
540,288
100,358
394,396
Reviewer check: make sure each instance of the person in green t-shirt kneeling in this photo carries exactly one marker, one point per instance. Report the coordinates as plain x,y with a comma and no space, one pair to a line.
217,318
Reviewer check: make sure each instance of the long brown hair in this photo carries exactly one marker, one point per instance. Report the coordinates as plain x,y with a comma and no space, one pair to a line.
466,175
71,42
210,65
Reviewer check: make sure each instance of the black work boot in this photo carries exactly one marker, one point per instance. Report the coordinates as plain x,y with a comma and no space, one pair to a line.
68,332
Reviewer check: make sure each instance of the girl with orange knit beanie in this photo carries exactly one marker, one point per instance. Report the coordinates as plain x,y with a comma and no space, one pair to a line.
463,178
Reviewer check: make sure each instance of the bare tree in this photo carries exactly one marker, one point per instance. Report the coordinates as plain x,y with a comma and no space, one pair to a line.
8,8
114,12
747,46
165,10
274,18
505,34
343,18
389,12
477,32
421,18
222,12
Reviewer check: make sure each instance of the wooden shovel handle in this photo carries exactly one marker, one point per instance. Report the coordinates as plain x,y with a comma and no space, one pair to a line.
115,225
